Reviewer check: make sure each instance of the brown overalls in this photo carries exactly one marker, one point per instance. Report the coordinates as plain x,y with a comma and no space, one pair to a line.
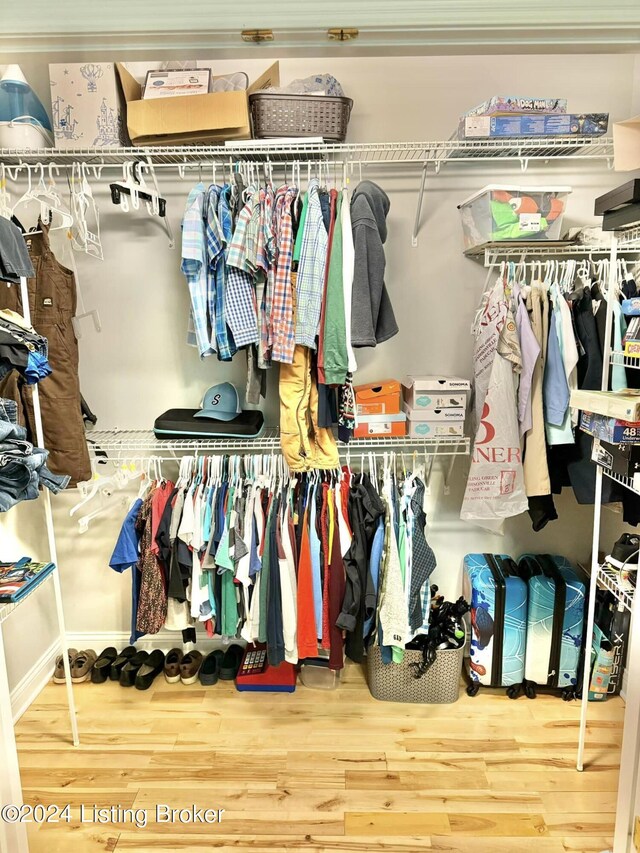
52,301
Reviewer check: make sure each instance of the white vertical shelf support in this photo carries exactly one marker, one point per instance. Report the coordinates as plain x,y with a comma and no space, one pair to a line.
51,536
13,836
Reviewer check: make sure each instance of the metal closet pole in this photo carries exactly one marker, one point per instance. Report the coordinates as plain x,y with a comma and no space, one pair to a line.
51,536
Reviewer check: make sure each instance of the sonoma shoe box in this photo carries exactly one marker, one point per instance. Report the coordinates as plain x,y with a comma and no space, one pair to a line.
433,429
455,415
435,392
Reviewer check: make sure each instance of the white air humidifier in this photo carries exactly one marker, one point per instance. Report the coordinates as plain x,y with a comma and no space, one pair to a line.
24,122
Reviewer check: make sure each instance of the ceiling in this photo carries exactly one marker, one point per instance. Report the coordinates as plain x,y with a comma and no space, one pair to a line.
386,26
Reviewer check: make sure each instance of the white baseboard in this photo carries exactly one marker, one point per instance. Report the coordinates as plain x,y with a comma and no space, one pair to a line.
163,640
24,693
28,688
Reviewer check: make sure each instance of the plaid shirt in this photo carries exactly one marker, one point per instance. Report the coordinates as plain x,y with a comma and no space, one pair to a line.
240,307
226,345
194,267
311,269
237,254
282,325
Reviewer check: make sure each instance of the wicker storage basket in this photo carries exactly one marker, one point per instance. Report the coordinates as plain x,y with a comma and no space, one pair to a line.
300,115
394,682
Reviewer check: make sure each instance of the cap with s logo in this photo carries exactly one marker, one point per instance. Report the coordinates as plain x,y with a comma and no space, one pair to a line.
220,402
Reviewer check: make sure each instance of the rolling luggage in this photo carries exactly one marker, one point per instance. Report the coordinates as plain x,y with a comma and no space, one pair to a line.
555,623
498,598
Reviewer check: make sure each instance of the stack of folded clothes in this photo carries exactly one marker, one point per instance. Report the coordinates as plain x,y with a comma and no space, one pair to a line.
22,348
23,467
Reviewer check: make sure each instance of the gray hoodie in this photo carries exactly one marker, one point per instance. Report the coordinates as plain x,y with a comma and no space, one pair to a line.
372,318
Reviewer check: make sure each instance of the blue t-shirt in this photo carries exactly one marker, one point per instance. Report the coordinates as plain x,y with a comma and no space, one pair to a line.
125,556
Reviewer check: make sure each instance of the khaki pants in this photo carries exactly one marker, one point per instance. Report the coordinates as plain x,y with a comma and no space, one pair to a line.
52,302
305,445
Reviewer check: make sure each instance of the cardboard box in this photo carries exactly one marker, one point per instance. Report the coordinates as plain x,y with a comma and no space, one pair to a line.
624,405
610,429
453,414
381,426
488,127
429,400
620,459
378,398
214,117
87,106
434,429
506,104
632,349
626,145
413,386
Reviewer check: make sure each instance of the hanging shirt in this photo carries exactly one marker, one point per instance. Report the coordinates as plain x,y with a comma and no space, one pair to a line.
194,267
282,326
530,351
125,556
310,281
348,261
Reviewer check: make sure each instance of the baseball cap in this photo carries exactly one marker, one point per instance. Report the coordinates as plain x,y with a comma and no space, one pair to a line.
220,402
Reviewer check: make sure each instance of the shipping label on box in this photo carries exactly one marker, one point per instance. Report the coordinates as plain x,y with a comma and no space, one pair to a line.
86,105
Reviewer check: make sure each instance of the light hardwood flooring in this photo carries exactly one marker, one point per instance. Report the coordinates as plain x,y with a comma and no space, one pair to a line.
322,771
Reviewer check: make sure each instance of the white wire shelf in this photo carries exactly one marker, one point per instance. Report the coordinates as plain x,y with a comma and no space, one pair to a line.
466,150
491,252
628,237
8,607
623,360
127,442
622,590
631,483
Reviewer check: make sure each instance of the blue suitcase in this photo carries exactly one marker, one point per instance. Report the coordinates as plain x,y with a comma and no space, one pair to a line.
498,599
555,624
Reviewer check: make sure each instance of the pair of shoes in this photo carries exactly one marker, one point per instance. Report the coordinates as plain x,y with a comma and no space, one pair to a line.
82,665
119,661
141,669
181,667
624,554
58,673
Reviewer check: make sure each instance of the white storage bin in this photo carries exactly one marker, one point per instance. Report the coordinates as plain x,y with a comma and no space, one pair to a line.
504,213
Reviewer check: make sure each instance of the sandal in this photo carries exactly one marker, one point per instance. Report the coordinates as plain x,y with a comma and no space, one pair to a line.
82,666
58,673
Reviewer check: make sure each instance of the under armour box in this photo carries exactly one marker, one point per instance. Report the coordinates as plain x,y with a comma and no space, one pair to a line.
621,459
555,621
498,599
182,423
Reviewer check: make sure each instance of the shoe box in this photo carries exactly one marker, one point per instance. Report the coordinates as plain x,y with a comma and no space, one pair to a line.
610,429
435,405
620,459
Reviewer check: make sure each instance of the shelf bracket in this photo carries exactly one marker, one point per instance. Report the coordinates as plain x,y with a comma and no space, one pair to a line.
524,163
416,224
448,473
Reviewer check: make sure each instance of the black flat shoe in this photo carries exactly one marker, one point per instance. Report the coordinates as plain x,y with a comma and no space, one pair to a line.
116,667
152,667
231,662
102,666
210,669
131,668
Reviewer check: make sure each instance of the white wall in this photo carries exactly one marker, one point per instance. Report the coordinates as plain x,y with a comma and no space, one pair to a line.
139,366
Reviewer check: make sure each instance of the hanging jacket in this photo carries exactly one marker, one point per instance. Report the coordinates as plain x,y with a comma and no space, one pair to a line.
372,318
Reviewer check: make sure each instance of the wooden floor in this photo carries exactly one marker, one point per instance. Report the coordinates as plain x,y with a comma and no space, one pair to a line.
322,772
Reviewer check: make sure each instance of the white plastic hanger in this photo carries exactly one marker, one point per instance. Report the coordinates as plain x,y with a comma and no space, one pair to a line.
48,202
5,198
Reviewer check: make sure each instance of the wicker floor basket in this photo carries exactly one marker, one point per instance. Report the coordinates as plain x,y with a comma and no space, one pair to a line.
394,682
300,115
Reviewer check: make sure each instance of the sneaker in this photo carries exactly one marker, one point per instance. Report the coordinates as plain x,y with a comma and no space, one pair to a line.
623,552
